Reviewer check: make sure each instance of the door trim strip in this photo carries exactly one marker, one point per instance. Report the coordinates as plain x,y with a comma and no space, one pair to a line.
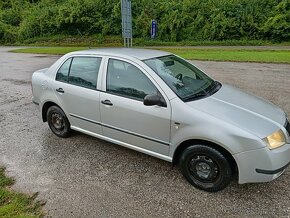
121,130
86,119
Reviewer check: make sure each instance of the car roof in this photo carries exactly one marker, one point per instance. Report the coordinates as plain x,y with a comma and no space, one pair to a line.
141,54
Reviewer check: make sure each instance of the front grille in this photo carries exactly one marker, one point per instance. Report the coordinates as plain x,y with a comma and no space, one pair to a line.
287,126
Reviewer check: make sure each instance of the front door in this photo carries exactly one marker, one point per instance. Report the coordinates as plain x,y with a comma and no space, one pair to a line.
124,116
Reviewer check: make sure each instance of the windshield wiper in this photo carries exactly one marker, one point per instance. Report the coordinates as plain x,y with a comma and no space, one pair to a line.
214,87
204,93
195,96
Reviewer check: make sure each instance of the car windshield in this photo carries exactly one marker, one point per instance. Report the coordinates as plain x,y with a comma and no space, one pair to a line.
187,81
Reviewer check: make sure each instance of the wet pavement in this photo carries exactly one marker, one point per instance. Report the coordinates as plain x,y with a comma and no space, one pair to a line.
86,177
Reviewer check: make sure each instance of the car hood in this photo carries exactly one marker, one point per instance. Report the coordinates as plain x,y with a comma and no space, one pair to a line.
243,110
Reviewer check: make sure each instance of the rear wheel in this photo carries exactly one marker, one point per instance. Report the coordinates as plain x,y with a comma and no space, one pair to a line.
205,168
58,122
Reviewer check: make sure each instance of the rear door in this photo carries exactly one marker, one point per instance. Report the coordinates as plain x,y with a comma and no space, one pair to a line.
76,87
124,116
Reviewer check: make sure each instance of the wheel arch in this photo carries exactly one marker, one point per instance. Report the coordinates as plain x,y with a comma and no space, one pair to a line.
187,143
45,107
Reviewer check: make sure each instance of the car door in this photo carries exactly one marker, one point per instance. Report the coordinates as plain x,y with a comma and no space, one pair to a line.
124,116
76,88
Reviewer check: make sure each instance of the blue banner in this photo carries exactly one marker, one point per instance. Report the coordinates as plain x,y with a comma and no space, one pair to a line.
153,29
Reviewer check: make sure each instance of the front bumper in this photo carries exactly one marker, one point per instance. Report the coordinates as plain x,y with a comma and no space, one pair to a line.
262,165
272,172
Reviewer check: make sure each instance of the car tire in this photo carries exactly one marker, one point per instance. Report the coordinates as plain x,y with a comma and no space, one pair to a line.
205,167
58,122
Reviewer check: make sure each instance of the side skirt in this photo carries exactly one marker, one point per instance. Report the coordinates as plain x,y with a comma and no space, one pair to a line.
133,147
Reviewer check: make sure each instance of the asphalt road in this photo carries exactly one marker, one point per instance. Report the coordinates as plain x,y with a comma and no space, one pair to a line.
87,177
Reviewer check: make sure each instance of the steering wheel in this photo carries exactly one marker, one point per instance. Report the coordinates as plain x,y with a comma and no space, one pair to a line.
179,76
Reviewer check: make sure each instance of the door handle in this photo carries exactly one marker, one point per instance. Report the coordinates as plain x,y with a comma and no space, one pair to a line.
60,90
107,102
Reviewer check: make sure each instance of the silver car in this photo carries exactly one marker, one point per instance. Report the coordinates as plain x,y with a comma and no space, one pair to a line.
159,104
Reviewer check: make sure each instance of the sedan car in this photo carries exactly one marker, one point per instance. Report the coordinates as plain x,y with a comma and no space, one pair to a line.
162,105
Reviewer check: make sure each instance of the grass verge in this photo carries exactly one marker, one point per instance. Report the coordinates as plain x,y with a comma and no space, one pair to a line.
213,54
99,40
49,50
240,55
13,204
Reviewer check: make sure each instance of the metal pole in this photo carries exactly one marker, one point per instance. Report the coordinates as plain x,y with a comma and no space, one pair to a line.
126,12
130,13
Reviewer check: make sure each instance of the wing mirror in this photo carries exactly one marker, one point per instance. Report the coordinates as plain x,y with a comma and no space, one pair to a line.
151,100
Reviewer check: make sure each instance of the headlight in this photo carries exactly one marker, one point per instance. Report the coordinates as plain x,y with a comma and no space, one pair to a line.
275,140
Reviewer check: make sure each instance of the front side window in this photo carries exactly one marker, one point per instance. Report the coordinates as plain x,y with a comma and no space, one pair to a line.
187,81
84,71
126,80
62,73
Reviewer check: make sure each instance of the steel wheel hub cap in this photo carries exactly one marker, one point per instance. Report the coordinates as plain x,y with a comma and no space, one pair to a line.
203,168
57,121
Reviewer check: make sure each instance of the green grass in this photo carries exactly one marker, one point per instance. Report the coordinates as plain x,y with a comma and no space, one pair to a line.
243,55
213,54
99,40
14,204
49,50
142,42
73,41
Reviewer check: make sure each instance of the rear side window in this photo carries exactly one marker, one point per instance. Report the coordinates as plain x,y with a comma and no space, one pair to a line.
126,80
84,71
80,71
62,73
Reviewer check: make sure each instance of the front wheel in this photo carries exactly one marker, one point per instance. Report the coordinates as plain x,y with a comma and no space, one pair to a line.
58,122
205,168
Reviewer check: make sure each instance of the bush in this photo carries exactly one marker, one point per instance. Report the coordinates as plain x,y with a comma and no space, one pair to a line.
277,27
184,20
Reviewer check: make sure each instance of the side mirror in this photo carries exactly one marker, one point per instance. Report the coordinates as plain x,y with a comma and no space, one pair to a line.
151,100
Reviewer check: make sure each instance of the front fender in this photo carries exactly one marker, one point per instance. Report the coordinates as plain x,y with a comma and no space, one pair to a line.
193,124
